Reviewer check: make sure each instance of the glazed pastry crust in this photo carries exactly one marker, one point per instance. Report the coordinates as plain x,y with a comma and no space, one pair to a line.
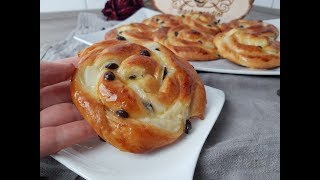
132,32
253,26
187,43
158,101
203,22
163,20
253,47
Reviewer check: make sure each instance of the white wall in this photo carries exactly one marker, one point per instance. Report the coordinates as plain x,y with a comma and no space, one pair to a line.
267,3
77,5
70,5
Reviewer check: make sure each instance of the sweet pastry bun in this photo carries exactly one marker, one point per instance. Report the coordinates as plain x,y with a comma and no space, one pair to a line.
137,97
253,47
163,20
203,22
264,29
187,43
132,32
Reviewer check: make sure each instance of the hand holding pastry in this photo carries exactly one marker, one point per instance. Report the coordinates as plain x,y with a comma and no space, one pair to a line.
137,97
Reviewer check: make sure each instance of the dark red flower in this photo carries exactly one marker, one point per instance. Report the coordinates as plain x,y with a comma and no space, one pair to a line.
121,9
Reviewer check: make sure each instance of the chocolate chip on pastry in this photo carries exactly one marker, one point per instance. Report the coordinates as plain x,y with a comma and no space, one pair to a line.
137,97
250,47
132,32
201,22
187,43
163,20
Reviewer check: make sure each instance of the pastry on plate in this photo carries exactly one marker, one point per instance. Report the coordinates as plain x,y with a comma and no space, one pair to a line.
188,43
163,20
137,97
253,47
201,22
132,32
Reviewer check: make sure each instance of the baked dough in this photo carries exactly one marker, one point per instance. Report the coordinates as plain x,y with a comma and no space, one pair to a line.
132,32
163,20
203,22
137,97
258,26
253,47
187,43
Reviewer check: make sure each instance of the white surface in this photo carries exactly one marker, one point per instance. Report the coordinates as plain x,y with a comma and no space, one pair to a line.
263,3
225,66
220,66
98,160
62,5
70,5
276,4
95,4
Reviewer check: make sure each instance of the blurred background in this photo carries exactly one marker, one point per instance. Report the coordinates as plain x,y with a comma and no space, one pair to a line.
83,5
59,17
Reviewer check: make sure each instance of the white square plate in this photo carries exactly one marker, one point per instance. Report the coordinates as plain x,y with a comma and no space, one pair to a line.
97,160
220,66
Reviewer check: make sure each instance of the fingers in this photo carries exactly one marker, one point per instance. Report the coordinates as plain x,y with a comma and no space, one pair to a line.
53,139
52,73
59,114
55,94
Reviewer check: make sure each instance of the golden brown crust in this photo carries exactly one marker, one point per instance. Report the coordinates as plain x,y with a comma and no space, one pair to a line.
203,22
163,20
249,47
254,26
158,90
187,43
133,32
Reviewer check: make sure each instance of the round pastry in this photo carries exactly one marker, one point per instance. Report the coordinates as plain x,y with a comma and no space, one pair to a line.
249,48
163,20
253,26
201,22
137,97
187,43
132,32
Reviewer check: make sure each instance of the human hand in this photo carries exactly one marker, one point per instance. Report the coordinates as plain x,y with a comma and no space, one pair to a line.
61,125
